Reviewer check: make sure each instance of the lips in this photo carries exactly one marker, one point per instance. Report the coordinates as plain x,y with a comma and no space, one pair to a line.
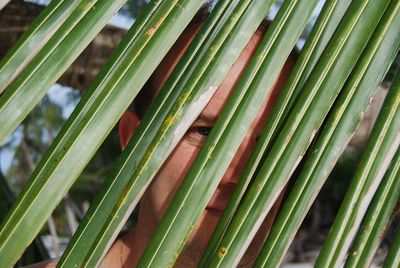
220,198
214,212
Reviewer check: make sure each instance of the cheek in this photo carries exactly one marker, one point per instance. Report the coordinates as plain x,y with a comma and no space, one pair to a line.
240,159
170,176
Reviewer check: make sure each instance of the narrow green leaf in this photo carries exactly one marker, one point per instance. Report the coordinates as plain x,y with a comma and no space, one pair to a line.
77,251
393,258
382,145
227,134
304,121
52,60
30,43
109,96
223,51
324,27
36,252
327,23
335,135
377,218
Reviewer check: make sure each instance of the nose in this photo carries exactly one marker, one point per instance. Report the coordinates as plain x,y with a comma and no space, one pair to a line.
239,161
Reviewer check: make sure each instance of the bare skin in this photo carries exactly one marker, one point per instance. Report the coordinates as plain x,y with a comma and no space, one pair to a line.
165,184
127,250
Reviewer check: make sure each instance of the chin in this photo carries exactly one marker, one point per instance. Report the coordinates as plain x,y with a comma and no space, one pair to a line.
205,228
202,233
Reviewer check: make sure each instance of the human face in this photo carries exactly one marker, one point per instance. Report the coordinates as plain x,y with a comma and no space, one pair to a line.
166,182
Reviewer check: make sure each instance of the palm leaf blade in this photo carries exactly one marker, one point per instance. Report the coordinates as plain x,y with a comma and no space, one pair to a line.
229,130
382,145
393,258
377,218
52,60
111,192
309,112
169,130
41,30
91,121
334,137
325,25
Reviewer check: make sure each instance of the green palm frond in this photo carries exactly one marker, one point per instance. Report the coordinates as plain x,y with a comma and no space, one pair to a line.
350,49
302,125
393,257
323,30
332,140
93,118
382,145
377,218
33,40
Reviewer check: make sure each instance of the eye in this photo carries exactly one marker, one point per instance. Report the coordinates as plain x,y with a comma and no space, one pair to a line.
203,130
197,135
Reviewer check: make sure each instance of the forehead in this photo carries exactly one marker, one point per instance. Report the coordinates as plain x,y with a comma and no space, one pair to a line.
217,102
220,97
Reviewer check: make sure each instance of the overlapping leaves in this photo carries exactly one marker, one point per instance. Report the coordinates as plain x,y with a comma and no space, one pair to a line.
337,73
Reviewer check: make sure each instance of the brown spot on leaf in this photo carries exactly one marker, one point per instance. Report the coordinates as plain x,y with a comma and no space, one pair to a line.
154,28
222,252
